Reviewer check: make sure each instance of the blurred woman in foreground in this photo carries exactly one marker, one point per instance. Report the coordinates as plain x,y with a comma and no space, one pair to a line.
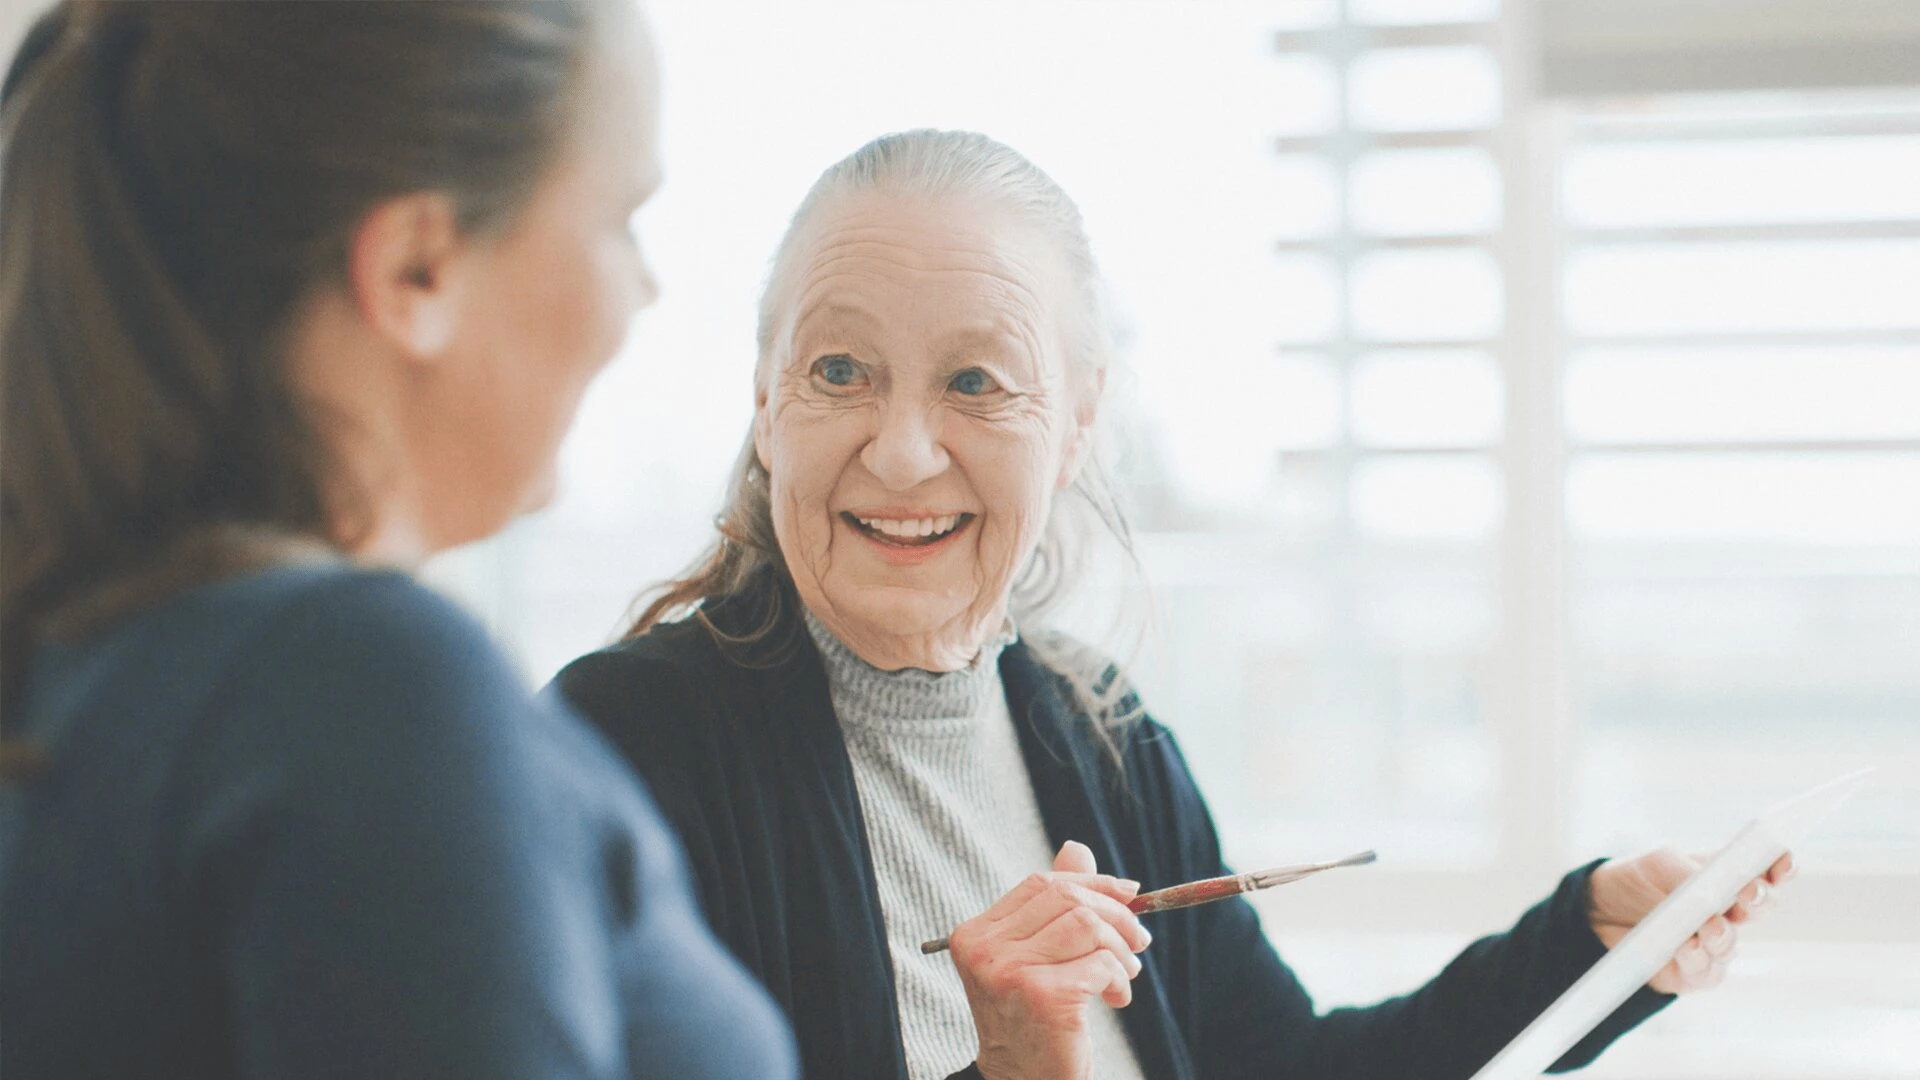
293,295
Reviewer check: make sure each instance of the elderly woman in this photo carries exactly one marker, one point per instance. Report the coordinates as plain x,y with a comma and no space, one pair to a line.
867,738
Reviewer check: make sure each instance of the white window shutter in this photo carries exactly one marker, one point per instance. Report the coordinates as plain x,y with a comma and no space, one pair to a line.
1599,48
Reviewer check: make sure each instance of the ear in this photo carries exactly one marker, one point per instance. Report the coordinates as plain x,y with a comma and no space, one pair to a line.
405,272
763,425
763,380
1086,413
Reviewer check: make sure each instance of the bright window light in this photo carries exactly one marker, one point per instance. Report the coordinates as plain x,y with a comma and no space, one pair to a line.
1416,12
1425,192
1439,294
1424,89
1771,393
1831,499
1427,397
1421,498
1306,196
1735,182
1763,286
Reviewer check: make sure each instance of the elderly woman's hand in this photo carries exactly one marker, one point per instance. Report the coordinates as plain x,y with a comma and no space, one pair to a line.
1620,894
1036,959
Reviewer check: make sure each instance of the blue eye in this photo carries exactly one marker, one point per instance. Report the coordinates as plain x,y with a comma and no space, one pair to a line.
837,370
972,382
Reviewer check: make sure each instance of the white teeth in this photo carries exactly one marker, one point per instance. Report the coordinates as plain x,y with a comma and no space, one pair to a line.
913,529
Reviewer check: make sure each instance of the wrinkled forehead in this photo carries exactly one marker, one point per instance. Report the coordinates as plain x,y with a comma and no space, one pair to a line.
962,263
932,228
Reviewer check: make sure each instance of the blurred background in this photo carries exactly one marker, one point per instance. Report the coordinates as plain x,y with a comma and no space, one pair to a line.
1521,410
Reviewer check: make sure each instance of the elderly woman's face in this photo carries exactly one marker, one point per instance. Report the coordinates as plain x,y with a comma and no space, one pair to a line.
917,423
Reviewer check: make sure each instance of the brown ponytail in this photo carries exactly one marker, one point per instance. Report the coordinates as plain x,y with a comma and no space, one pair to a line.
175,179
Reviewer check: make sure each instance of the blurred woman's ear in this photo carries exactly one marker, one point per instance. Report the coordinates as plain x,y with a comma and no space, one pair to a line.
404,273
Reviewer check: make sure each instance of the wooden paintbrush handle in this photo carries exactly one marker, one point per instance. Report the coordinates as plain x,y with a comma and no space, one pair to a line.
1193,892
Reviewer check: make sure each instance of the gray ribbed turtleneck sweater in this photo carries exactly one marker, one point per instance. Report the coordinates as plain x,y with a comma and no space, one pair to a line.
952,823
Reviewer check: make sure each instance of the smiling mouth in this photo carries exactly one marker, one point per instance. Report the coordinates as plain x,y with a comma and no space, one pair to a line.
909,534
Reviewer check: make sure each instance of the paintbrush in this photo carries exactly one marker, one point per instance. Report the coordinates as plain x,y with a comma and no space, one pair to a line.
1211,889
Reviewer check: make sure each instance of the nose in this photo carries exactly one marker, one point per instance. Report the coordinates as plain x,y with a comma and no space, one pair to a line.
643,287
905,452
648,289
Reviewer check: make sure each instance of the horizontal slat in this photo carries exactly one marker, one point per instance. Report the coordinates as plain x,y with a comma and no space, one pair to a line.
1798,230
1350,346
1805,68
1601,127
1809,338
1352,243
1370,450
1757,446
1337,144
1345,40
1176,559
1596,562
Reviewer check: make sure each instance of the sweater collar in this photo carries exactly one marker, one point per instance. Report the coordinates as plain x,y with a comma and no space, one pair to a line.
866,694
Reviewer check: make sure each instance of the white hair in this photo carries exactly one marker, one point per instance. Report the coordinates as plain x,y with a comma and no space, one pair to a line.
963,165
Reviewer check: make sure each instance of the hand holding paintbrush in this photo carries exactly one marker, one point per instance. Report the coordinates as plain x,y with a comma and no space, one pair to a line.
1211,889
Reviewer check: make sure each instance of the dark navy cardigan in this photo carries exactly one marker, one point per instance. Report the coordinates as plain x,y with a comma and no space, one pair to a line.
745,756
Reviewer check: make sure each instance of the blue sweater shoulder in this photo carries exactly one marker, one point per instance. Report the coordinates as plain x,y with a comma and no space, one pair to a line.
323,802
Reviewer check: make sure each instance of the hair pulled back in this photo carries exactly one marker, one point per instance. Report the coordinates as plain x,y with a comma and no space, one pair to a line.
176,180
